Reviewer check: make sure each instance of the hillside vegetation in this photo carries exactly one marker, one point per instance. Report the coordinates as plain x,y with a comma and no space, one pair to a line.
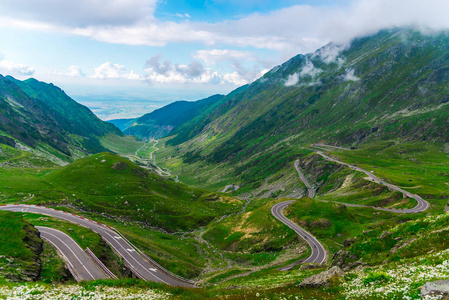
167,119
20,247
44,120
389,86
379,102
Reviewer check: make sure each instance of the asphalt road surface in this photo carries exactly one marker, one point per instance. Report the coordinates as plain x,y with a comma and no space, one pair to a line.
140,264
81,265
318,254
420,207
311,191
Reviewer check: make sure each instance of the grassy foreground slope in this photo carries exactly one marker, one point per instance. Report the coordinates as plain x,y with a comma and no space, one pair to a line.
20,247
112,185
115,186
115,191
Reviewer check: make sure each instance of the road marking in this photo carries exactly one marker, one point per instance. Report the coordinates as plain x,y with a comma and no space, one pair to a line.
133,259
70,249
124,253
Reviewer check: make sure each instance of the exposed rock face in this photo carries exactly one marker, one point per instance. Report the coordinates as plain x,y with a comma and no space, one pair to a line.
402,245
310,266
320,223
385,234
345,260
322,278
347,243
438,289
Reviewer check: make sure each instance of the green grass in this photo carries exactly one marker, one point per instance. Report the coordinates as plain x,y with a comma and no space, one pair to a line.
122,145
103,183
420,168
255,238
410,239
106,183
334,223
53,267
19,248
14,232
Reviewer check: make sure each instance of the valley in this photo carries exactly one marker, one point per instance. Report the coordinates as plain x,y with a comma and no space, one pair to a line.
333,187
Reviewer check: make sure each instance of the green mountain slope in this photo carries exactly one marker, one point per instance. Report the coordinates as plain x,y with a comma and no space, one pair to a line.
122,124
161,122
109,184
39,115
391,85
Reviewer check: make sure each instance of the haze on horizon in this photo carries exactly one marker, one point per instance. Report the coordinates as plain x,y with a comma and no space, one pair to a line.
123,58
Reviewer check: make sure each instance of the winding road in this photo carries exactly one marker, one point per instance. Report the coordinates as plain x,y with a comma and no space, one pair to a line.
139,263
318,254
81,265
420,207
84,267
311,191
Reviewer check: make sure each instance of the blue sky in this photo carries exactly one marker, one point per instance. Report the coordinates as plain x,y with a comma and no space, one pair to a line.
124,58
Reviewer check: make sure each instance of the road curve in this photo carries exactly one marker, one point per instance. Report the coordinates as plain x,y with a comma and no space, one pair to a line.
80,264
140,264
311,191
318,254
420,207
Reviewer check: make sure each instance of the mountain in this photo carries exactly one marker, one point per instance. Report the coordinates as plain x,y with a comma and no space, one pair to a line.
166,120
41,115
391,85
122,124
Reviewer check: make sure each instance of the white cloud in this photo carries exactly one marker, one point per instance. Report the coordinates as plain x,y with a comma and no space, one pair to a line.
214,56
8,67
292,80
72,71
166,72
292,30
234,78
114,71
238,79
75,71
183,16
80,13
330,52
309,70
163,71
350,76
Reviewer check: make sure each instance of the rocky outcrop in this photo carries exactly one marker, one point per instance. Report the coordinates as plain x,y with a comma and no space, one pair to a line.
400,245
385,234
437,289
310,266
347,243
346,260
323,278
